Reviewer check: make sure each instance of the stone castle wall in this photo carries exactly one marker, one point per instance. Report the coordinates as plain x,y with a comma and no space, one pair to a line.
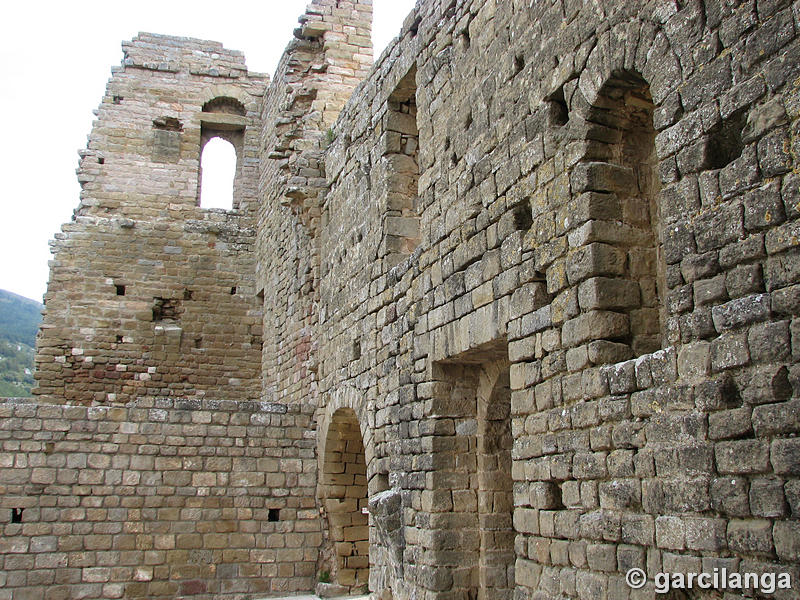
566,320
531,298
150,294
157,499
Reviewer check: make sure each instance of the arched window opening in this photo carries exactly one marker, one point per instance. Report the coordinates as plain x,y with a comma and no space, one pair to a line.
223,122
217,174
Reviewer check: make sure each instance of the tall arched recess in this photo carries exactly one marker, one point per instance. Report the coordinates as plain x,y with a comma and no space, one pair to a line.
344,494
618,176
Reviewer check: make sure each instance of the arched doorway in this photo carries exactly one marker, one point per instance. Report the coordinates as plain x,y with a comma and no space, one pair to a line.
344,494
472,495
495,485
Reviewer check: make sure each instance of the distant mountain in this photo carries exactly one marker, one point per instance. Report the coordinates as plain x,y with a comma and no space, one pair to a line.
19,322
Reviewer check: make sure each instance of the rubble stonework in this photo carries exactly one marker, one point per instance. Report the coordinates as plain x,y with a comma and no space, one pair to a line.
514,313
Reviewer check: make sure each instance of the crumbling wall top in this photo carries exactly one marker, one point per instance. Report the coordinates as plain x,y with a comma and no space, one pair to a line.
174,54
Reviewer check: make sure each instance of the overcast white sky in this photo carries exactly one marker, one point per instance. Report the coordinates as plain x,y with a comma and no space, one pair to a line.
56,58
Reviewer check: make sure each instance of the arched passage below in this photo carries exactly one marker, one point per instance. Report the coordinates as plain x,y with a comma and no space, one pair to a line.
344,494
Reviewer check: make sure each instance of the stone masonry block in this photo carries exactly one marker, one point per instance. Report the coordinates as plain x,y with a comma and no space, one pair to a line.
694,361
767,498
706,534
601,177
729,496
763,208
743,280
670,532
742,456
714,229
728,351
604,293
777,419
741,311
785,456
769,342
767,385
597,324
786,535
750,536
729,423
595,259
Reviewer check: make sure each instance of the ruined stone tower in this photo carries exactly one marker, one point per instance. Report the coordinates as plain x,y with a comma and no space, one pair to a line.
504,315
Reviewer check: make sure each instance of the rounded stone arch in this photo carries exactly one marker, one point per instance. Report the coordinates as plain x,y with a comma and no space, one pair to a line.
235,92
345,454
347,397
636,46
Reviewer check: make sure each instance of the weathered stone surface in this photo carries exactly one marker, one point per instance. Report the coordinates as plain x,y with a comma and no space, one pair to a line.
503,314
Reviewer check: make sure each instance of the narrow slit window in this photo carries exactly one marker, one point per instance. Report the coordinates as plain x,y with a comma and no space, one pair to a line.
218,170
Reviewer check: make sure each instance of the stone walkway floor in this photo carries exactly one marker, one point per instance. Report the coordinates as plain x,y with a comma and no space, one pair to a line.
314,597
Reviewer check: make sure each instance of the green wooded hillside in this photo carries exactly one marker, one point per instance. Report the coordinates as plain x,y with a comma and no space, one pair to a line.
19,322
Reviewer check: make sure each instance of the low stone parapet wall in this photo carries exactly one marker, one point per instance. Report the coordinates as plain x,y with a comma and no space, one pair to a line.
161,498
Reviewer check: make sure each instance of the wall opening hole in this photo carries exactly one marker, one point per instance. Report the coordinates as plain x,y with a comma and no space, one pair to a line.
519,64
16,515
725,144
465,39
217,173
188,294
198,342
120,289
117,99
523,216
356,352
233,291
119,339
167,124
274,515
557,111
414,29
166,309
101,160
380,483
625,108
